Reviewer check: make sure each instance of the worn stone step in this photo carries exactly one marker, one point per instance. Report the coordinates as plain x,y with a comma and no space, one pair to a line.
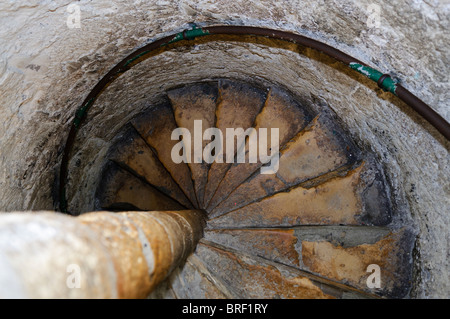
284,244
238,106
163,291
280,111
355,199
317,150
255,277
190,103
351,264
119,187
192,280
156,126
132,152
339,253
273,244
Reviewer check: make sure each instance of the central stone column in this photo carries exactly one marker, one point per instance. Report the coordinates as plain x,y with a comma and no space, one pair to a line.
95,255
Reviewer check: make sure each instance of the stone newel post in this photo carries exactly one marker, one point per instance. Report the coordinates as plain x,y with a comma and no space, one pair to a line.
95,255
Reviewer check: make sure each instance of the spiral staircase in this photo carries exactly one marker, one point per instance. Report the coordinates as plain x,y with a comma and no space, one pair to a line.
311,230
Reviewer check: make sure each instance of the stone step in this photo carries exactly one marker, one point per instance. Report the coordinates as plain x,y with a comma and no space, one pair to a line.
238,106
317,150
351,264
273,244
190,103
121,189
156,126
347,200
134,154
338,253
283,245
280,111
163,291
193,281
255,277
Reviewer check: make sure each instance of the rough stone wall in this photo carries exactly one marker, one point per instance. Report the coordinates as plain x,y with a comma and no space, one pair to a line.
47,69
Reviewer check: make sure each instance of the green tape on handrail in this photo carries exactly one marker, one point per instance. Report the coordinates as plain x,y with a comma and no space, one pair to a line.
135,58
81,112
187,35
196,32
388,83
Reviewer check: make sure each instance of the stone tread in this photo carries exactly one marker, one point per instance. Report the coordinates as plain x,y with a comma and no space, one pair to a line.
132,152
255,277
120,187
349,264
156,126
273,244
338,253
190,103
193,281
251,279
238,106
338,201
